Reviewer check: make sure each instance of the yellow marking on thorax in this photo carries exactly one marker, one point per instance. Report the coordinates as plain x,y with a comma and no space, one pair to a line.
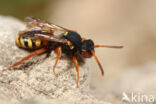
70,45
30,45
38,43
22,42
17,42
66,33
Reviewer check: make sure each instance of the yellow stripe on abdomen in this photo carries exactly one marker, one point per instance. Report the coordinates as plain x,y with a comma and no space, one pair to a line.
38,43
22,42
30,45
18,42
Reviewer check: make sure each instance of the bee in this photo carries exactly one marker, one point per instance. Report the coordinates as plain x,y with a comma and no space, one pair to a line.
41,36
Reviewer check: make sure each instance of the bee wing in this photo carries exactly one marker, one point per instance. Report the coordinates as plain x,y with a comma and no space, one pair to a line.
54,31
38,24
49,38
43,35
31,22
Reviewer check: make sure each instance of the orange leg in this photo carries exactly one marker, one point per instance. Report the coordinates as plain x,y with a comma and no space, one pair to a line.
98,62
27,57
77,70
58,51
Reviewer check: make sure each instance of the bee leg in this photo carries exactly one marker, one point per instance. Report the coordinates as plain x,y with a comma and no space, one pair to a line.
58,51
77,69
27,57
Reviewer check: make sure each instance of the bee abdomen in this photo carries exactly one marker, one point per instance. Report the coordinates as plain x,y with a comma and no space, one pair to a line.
29,43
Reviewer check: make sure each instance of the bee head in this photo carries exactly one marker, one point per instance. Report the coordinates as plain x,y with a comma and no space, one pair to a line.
88,51
87,48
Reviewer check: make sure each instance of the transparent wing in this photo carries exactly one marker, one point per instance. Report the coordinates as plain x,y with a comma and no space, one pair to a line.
41,29
38,24
42,35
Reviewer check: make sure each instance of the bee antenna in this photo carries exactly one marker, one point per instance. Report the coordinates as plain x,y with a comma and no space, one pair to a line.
102,71
107,46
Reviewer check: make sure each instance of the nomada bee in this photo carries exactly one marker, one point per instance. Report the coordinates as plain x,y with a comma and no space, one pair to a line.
41,36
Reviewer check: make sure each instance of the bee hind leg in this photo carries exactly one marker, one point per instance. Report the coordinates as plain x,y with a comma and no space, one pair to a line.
26,58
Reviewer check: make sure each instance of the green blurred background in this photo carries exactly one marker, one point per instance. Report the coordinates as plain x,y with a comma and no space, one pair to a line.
23,8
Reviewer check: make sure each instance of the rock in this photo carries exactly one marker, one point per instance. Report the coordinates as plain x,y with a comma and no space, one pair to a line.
33,81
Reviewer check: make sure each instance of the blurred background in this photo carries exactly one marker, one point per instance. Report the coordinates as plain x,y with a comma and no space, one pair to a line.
130,23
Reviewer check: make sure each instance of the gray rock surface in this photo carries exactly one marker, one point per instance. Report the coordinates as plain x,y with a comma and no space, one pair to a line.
33,82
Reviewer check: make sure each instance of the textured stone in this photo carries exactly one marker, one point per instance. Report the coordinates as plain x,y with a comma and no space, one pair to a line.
33,81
